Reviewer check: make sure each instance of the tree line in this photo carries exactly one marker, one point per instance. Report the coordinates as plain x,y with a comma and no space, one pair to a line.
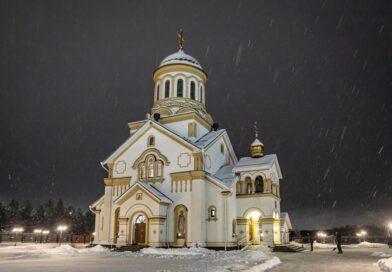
47,216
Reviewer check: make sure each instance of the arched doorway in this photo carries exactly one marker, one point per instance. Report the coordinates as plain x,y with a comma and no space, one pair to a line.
180,225
140,229
254,226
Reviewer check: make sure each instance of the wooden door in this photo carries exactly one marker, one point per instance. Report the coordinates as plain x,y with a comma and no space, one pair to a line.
140,233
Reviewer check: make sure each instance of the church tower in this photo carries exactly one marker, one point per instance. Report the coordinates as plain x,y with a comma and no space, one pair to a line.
179,89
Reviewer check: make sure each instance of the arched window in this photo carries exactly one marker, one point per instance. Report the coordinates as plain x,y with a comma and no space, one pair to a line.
151,141
180,88
259,184
167,88
150,167
249,188
193,95
201,94
159,165
140,219
158,96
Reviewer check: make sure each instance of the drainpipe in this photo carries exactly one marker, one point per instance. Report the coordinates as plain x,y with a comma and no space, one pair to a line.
224,222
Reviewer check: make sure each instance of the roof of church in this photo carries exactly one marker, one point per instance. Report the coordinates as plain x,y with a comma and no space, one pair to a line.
284,218
208,138
248,163
150,188
180,57
225,175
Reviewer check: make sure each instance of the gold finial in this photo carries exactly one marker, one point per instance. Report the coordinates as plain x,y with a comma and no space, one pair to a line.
256,130
181,39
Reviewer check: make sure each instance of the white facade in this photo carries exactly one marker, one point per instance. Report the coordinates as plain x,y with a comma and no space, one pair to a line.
177,181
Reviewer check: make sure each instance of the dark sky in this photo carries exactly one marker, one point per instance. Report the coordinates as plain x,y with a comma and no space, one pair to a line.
316,75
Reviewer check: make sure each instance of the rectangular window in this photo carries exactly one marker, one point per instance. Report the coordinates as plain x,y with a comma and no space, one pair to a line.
192,130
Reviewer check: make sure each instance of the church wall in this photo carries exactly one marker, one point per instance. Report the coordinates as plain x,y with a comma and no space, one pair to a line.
265,204
181,128
214,158
180,158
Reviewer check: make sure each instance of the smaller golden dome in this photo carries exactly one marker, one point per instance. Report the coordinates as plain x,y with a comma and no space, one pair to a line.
257,147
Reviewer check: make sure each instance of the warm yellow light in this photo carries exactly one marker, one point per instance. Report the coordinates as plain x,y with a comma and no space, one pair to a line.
62,227
93,233
255,216
390,226
17,230
45,232
38,231
363,232
321,234
359,234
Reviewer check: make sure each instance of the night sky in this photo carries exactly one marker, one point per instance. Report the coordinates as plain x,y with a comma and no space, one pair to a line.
316,75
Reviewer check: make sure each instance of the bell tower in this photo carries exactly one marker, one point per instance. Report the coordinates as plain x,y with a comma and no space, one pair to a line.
180,85
257,147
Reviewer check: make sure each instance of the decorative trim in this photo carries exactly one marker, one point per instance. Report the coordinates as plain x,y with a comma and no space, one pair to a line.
186,116
144,154
181,157
168,68
258,195
120,164
117,181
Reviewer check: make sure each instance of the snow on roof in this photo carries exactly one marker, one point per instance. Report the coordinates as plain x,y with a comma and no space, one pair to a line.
257,142
208,138
284,217
180,57
248,163
225,175
150,188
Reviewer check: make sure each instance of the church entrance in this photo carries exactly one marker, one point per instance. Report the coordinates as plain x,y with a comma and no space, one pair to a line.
140,230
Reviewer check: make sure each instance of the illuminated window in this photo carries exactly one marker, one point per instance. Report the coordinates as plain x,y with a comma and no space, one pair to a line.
151,169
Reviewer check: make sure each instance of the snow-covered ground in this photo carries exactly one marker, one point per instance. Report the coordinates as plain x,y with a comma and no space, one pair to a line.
385,265
66,258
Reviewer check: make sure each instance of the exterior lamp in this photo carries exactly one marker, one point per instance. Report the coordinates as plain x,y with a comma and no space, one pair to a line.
61,228
17,230
364,233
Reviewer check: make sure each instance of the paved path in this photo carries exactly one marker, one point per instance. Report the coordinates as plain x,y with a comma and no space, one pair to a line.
353,259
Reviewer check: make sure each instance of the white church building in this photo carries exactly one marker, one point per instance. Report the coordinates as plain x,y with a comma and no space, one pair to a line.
176,181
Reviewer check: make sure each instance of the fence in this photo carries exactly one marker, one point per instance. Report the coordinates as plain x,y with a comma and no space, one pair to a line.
8,237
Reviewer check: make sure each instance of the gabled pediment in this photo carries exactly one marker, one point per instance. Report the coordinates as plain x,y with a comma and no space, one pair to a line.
147,189
150,124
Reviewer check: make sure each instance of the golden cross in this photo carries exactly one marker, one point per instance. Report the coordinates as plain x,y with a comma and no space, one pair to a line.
181,39
256,130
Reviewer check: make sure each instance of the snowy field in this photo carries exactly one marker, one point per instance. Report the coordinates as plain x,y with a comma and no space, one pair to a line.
34,258
361,257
